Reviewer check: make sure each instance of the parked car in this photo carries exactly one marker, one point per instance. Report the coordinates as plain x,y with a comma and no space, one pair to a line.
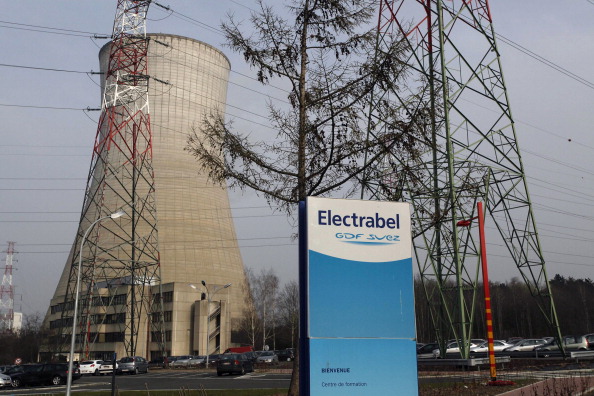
188,361
234,363
498,346
570,342
90,367
133,365
525,345
107,368
286,355
5,380
590,339
43,373
197,360
453,347
241,349
158,362
426,351
213,359
267,357
252,355
513,340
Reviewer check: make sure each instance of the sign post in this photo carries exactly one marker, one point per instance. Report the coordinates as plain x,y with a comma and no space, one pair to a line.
359,299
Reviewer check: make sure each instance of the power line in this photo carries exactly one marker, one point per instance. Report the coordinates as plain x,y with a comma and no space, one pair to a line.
48,69
546,62
44,107
61,31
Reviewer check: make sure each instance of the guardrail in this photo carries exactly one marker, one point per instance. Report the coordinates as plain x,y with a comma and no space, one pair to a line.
473,362
577,355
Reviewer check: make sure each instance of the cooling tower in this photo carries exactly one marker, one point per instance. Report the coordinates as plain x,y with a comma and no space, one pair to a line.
197,246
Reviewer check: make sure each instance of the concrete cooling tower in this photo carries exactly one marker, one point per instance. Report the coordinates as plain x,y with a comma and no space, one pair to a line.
198,282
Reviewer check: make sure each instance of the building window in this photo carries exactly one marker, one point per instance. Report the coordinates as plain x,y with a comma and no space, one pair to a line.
114,337
167,297
120,299
156,336
167,316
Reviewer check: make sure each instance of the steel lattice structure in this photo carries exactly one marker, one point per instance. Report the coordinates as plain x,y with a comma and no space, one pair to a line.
456,78
120,258
7,292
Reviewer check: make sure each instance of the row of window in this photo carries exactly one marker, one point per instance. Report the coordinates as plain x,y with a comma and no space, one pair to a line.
110,337
108,319
119,299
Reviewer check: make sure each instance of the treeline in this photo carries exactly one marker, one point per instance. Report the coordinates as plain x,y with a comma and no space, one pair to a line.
515,312
23,344
271,315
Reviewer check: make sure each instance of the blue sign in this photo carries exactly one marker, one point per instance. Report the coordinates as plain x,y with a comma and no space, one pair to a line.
359,313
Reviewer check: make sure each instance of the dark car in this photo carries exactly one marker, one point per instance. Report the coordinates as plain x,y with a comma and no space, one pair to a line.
36,374
158,362
286,355
252,355
426,351
213,359
234,363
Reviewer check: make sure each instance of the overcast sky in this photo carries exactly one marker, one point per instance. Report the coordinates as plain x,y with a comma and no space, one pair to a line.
45,152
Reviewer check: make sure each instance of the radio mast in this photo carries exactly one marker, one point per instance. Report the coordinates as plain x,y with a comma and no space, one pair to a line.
7,293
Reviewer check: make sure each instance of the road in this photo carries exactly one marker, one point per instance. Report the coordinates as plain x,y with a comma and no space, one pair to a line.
163,379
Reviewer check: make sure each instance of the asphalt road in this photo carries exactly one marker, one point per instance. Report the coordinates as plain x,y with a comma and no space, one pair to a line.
163,379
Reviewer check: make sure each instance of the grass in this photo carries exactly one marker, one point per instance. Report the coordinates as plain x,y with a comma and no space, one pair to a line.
468,388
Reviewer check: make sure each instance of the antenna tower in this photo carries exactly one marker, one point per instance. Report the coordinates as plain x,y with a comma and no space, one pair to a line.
120,258
7,292
455,73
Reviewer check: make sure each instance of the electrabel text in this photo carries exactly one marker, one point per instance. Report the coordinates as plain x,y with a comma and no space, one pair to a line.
326,217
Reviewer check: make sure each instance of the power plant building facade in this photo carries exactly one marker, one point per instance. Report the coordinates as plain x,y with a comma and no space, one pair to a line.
202,280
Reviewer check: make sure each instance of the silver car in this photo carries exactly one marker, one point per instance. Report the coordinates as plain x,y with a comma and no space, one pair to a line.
5,380
188,361
133,365
267,357
526,345
571,343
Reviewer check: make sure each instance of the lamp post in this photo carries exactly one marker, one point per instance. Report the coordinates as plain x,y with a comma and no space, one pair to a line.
115,215
208,298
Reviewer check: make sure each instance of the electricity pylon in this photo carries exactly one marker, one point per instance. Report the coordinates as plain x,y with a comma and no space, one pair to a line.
120,258
7,293
455,75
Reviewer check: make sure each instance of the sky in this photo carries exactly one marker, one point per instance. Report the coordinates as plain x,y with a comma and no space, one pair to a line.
46,138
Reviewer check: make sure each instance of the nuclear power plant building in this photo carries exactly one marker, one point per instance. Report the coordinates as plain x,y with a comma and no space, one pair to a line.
202,280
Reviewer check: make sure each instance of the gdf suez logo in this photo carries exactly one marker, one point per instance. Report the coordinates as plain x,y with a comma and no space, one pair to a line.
367,238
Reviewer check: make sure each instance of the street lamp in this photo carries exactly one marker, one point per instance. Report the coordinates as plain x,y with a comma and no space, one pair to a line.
115,215
208,298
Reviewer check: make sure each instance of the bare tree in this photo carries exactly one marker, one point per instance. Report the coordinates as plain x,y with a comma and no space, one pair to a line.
249,322
264,289
325,52
288,306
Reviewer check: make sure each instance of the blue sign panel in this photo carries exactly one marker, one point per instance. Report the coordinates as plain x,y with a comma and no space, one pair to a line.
360,299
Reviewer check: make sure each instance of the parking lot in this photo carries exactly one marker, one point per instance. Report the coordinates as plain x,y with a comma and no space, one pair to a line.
163,379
